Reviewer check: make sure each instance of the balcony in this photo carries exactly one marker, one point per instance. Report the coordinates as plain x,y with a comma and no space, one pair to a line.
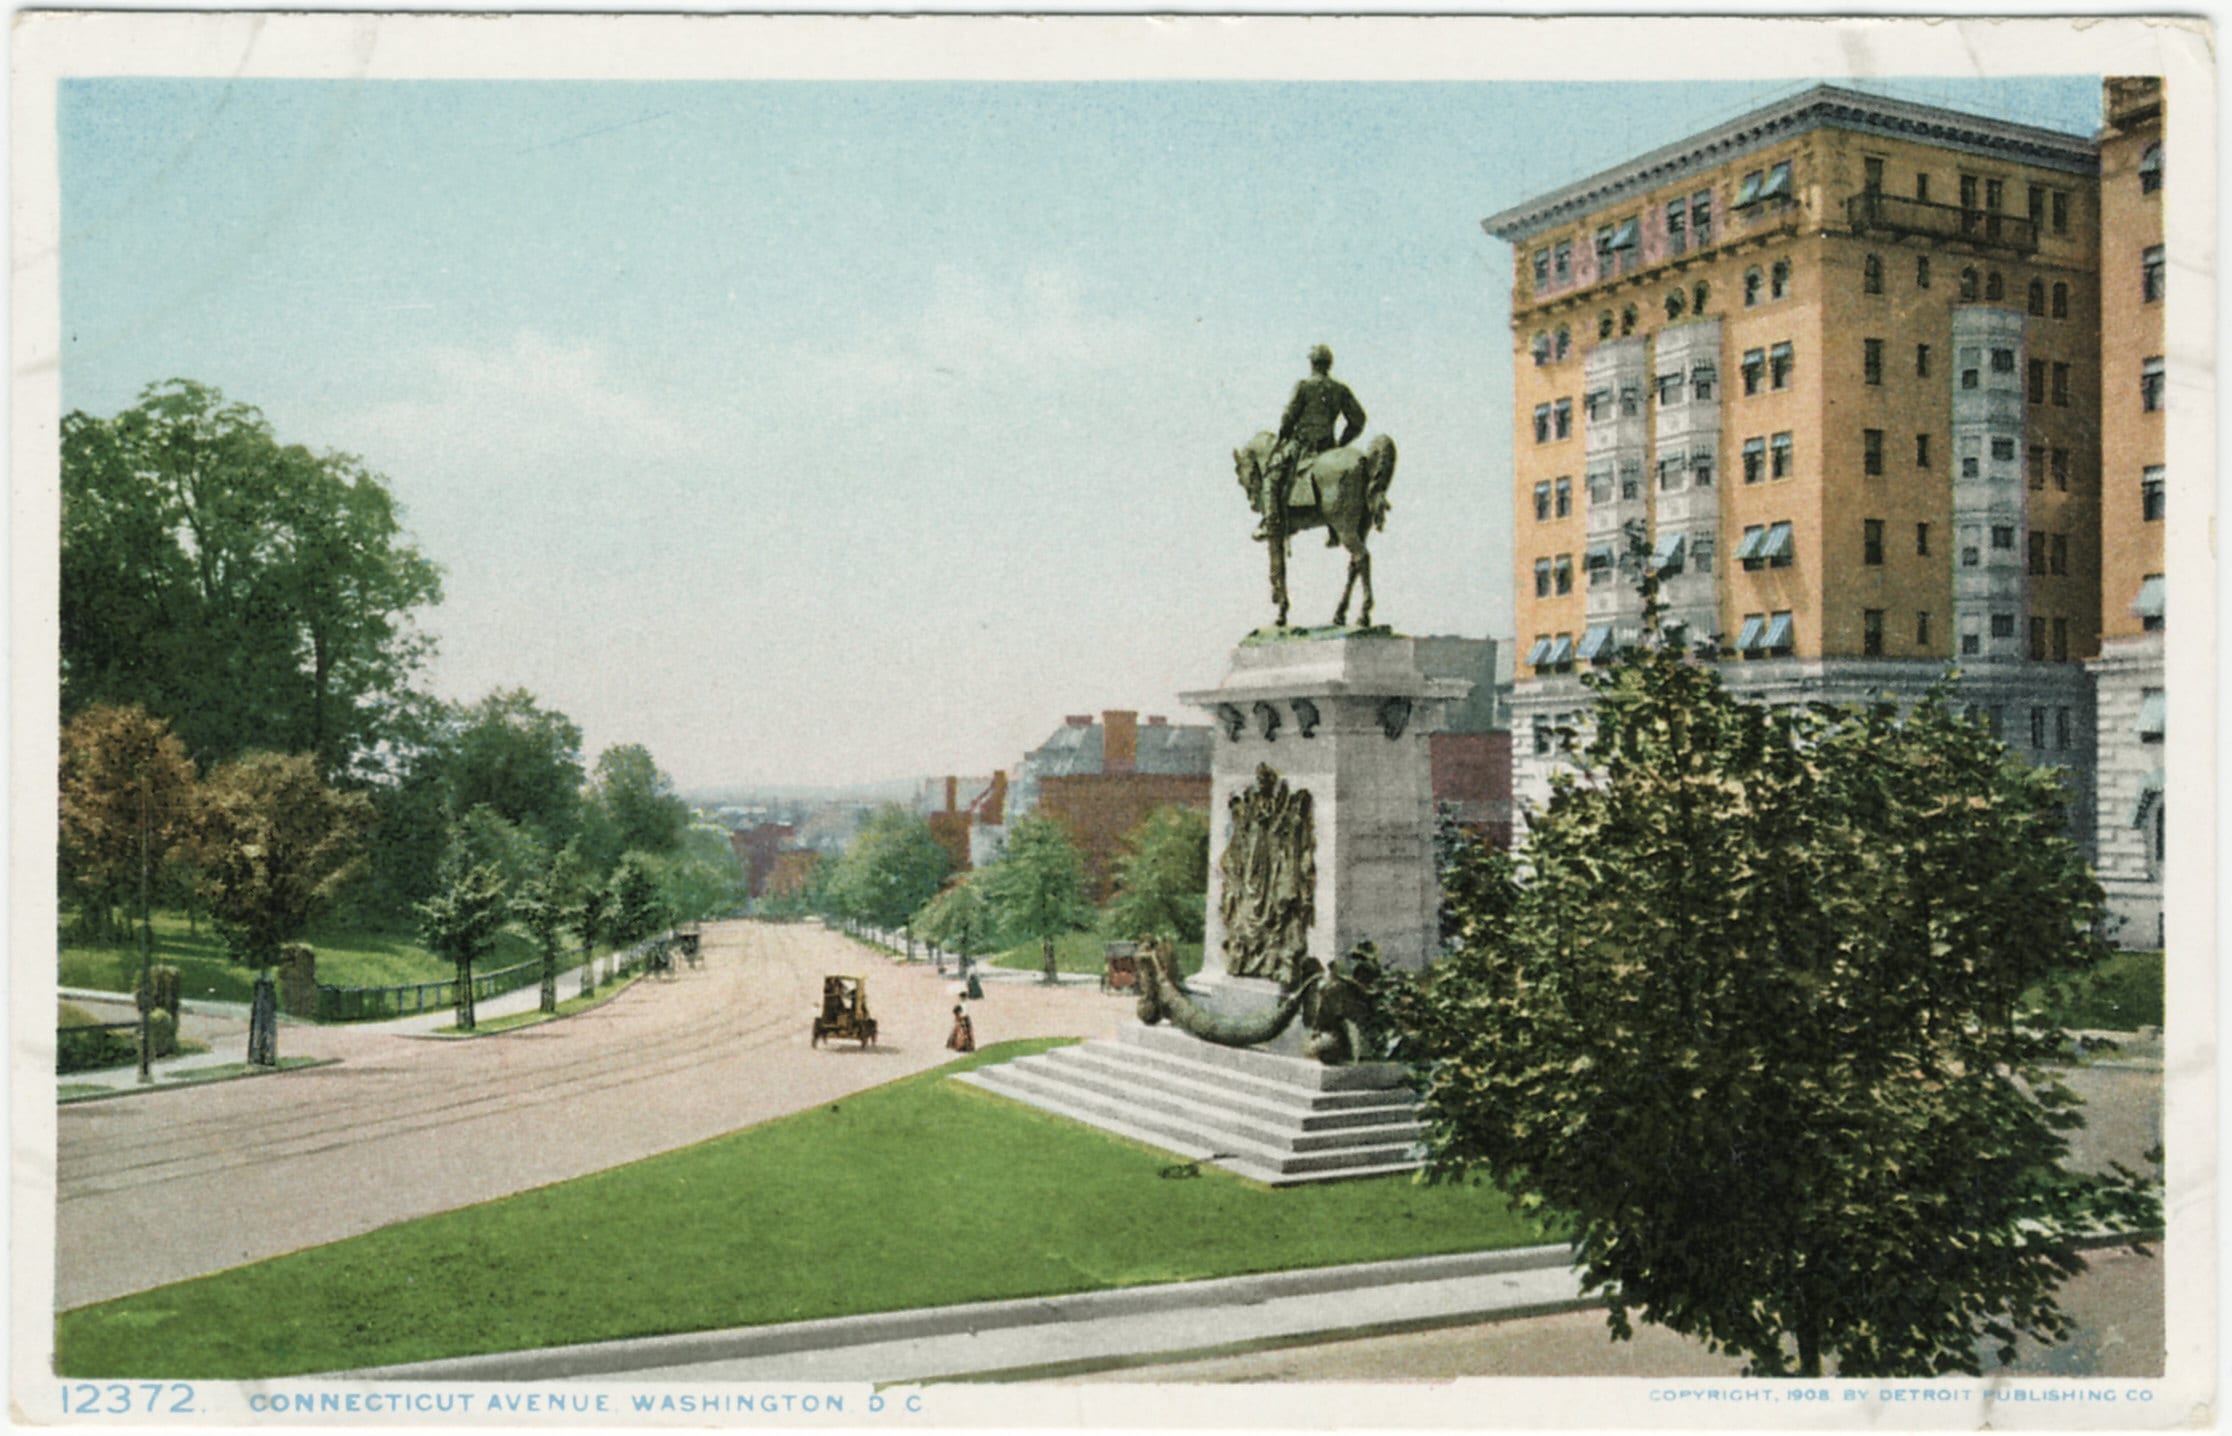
1991,229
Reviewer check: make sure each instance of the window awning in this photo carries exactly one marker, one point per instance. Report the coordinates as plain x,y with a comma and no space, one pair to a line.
2154,711
1599,556
1777,542
1754,539
1748,640
1702,371
1701,458
1778,632
1595,643
1561,650
1540,651
1668,554
1625,236
2150,793
1748,192
2149,603
1778,181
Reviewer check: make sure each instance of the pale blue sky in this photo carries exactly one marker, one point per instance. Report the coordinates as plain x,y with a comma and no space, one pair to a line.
833,432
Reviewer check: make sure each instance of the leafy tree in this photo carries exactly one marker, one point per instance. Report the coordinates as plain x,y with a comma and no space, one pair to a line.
958,919
258,594
275,845
521,761
893,867
589,915
538,907
636,908
702,877
1162,877
1037,888
632,807
1747,1022
460,922
485,838
127,800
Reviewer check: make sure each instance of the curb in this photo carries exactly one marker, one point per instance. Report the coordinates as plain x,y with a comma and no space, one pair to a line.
609,1358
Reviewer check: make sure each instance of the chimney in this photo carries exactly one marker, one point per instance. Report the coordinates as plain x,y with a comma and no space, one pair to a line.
1120,741
1078,720
1156,720
953,791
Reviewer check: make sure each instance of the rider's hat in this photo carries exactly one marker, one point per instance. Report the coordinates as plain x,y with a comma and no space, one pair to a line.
1320,357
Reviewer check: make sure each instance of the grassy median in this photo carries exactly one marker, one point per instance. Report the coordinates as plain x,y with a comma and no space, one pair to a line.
923,1192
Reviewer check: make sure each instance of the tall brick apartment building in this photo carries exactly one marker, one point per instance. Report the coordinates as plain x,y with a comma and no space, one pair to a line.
1832,370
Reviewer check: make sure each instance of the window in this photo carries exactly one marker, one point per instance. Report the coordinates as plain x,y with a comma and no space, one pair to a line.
1921,540
2038,381
1599,562
1604,325
1748,550
1542,268
1922,188
1667,556
2003,361
1607,262
1752,281
1871,542
2003,451
1871,632
1562,571
1600,484
1995,288
1565,342
2061,645
1565,497
2003,537
1871,360
1542,578
1921,451
1755,460
1542,502
2037,551
1777,547
1968,284
1778,279
1747,638
2038,727
1971,467
1995,195
1777,638
1542,423
2003,625
2151,275
1631,478
2151,494
1676,302
1755,370
2150,169
1779,456
1971,554
1921,271
1562,418
1871,274
2038,297
2061,727
1670,388
1972,642
1627,320
1971,377
1631,400
2035,465
1701,468
2038,640
1561,261
2150,385
1535,655
1677,227
1871,174
2061,301
1699,293
1969,188
1541,349
1670,471
1922,628
1701,221
1921,361
2035,204
1596,404
1871,451
2060,219
1779,363
1701,381
2057,555
2150,603
2060,467
1700,556
2061,386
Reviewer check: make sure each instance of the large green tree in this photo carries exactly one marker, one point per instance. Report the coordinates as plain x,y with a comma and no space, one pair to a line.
1036,891
1162,877
1749,1021
893,866
519,759
958,919
257,595
460,922
631,807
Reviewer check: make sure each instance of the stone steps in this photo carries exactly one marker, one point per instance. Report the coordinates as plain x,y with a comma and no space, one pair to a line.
1278,1120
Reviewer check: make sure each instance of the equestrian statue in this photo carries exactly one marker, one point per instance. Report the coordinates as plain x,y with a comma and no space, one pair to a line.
1302,478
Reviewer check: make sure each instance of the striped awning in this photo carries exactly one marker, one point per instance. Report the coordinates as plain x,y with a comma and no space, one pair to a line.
2149,603
1595,644
2154,712
1778,633
1667,556
1561,651
1748,640
2150,793
1540,651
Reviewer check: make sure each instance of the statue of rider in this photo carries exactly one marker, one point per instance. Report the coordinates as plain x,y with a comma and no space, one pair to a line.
1305,431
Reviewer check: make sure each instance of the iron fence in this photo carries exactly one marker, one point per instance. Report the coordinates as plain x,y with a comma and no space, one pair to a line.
370,1004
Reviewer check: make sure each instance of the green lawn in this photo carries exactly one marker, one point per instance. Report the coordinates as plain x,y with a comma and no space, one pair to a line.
2122,994
347,957
567,1007
1084,952
923,1192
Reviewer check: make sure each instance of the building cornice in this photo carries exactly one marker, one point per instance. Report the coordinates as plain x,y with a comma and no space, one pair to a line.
1822,107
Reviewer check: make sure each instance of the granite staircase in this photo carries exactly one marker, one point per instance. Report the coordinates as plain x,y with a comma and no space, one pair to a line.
1279,1120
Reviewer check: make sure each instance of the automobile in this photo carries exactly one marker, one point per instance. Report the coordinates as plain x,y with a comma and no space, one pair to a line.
844,1014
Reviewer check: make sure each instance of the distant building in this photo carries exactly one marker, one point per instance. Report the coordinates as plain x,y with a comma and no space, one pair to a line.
1471,755
1100,779
757,848
793,870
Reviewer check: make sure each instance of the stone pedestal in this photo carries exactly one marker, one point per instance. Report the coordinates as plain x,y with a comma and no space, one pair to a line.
1343,714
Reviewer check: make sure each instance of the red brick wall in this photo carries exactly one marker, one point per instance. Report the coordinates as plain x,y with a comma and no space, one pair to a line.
1099,809
790,872
756,849
1472,776
952,833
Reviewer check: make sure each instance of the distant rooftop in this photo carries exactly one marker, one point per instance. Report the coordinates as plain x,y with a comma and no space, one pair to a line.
1823,106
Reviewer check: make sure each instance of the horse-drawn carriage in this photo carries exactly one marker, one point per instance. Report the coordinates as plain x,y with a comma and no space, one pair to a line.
686,942
844,1014
1120,972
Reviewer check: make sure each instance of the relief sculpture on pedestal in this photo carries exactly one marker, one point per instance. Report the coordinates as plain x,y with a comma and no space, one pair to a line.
1269,871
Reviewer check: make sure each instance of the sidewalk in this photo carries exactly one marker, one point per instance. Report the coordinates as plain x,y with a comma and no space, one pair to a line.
1051,1336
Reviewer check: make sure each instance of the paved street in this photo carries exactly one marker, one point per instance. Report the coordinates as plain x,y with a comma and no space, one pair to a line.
173,1184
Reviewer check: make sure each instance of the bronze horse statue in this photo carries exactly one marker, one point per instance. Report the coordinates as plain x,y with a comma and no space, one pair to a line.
1341,490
